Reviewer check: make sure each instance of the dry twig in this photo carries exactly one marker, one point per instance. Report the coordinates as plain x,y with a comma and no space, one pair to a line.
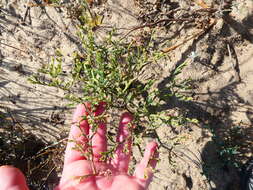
154,24
212,22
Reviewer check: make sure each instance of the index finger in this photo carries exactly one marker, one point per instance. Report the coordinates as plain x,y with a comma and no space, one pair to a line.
78,135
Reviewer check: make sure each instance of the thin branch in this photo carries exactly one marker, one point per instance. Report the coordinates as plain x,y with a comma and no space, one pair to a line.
154,24
212,23
12,47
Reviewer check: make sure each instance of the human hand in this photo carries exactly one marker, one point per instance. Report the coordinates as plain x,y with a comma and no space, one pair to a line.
83,173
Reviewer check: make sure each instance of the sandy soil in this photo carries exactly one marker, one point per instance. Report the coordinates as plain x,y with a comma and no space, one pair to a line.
221,71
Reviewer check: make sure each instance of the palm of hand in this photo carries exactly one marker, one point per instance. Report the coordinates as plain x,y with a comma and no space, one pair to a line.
82,172
108,180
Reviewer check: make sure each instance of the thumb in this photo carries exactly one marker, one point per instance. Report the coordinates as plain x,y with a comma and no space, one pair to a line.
12,179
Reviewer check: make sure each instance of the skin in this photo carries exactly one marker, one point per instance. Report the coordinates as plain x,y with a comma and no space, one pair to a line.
79,173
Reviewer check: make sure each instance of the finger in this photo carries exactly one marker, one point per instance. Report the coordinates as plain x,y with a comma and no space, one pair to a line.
12,178
144,169
99,142
123,152
78,135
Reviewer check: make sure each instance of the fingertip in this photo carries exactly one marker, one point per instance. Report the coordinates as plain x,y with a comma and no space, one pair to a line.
124,128
80,111
152,145
12,177
124,131
100,108
80,125
126,118
152,154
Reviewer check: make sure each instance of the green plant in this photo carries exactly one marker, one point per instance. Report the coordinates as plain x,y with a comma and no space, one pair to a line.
228,144
83,15
110,71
